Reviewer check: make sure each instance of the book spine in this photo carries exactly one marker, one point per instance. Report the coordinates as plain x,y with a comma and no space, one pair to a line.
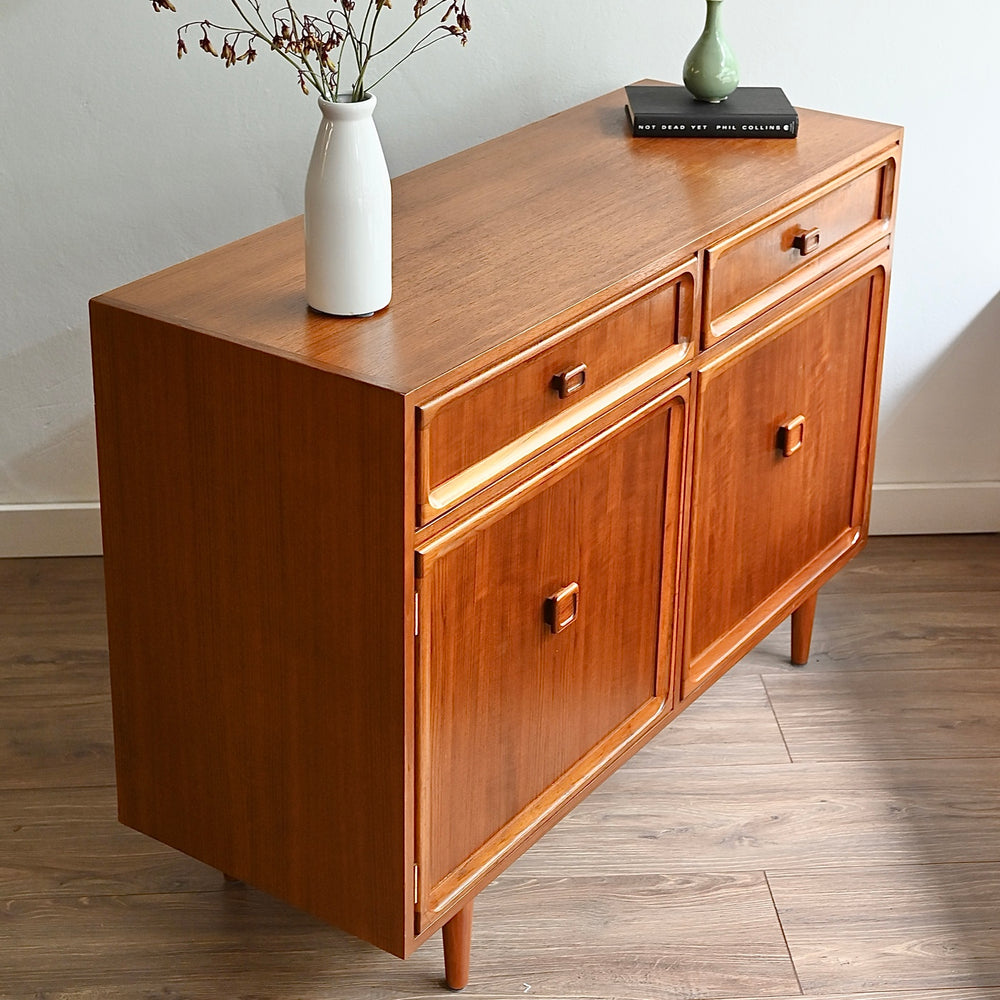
779,127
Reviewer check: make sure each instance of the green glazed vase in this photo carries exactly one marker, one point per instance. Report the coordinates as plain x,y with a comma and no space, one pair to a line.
711,72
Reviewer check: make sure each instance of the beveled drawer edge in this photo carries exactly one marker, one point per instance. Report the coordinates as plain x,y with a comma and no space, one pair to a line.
440,544
722,325
476,476
427,411
877,255
884,158
434,501
675,379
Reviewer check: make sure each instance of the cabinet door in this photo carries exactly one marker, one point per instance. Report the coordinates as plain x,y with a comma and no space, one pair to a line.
782,460
543,649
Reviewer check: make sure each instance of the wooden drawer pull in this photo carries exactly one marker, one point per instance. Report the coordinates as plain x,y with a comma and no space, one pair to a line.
568,382
561,608
806,241
790,435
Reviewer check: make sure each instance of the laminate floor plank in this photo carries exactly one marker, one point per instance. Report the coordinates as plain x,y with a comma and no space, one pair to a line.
880,715
899,928
741,818
871,842
732,723
976,993
643,937
32,680
905,632
69,841
233,942
891,564
71,638
61,740
55,712
61,585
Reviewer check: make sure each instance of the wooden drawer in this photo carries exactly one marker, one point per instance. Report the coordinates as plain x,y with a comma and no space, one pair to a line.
481,430
749,272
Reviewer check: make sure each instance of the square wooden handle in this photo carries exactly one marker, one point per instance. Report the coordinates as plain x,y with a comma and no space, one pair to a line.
807,241
568,382
790,435
562,607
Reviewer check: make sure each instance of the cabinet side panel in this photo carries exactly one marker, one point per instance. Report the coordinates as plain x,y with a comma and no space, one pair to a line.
256,560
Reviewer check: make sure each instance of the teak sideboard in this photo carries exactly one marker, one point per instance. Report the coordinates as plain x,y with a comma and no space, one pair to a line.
388,596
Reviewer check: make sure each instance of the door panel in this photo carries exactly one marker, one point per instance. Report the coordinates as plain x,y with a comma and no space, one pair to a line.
540,631
781,462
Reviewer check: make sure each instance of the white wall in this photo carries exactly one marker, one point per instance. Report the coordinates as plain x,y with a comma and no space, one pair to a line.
117,160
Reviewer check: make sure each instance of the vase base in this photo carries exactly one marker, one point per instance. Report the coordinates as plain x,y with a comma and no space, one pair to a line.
342,315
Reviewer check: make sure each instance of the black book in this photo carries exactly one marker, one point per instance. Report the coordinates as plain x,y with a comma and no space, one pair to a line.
748,113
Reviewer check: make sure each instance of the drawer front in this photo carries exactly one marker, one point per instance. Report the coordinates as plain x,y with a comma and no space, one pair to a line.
486,427
541,629
751,271
782,462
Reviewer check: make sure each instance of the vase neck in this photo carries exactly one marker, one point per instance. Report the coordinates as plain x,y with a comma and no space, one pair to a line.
344,109
713,15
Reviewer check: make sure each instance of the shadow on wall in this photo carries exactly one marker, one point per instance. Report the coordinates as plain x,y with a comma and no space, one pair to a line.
11,6
47,440
946,429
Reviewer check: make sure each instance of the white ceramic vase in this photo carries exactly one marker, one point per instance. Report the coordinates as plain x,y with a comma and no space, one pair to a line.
348,213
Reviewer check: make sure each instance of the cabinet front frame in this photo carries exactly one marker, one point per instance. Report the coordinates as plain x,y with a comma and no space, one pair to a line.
699,670
434,902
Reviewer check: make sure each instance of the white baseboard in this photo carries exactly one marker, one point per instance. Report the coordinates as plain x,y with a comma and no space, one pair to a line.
935,508
50,529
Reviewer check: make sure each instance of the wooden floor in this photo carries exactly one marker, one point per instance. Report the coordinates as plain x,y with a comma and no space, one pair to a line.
831,831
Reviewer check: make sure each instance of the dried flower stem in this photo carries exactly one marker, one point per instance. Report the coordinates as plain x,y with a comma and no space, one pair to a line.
315,46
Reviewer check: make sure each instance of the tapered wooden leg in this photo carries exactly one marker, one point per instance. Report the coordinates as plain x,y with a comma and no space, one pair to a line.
802,630
457,935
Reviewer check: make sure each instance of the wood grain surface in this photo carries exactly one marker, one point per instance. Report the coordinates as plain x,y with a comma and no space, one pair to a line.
891,632
658,936
510,710
884,714
68,842
751,271
695,738
257,542
901,564
914,926
263,470
518,218
761,515
740,817
747,876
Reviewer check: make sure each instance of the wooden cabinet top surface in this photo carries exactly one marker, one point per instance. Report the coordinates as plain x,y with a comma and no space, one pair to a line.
493,242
